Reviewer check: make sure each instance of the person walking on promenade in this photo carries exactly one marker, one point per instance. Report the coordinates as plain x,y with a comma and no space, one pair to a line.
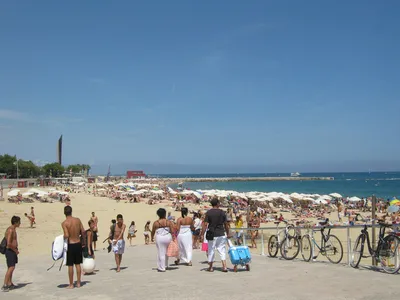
185,240
162,231
95,229
11,253
216,234
74,233
118,242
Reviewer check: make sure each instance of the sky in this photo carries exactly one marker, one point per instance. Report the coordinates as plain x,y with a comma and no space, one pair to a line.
184,86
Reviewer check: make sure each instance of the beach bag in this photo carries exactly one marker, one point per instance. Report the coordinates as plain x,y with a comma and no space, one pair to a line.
58,250
204,247
173,249
3,246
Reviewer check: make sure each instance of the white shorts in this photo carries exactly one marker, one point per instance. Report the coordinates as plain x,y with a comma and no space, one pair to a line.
119,247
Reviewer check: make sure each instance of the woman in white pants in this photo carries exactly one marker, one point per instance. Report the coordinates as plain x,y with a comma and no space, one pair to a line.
162,229
185,240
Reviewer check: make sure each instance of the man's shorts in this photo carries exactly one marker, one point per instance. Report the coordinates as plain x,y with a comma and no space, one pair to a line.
119,247
11,258
74,254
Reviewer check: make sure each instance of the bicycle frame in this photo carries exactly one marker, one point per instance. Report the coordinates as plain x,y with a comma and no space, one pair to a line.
324,239
371,250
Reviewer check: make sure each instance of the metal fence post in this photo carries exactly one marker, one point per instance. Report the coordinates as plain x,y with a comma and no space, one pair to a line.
244,236
262,242
312,245
348,245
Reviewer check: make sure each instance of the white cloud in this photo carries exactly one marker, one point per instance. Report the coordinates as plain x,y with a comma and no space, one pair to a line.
13,115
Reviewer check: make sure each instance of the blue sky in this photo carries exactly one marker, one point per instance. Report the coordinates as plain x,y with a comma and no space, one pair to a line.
243,85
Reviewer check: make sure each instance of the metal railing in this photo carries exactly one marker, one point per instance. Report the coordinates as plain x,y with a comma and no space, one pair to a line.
352,232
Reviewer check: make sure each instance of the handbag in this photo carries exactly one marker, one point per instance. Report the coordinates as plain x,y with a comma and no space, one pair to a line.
173,249
204,247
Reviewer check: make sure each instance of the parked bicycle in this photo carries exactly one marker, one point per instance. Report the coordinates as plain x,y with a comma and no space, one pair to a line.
330,246
386,253
289,245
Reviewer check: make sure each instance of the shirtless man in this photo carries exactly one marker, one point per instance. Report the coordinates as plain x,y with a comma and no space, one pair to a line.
11,253
95,229
118,242
73,229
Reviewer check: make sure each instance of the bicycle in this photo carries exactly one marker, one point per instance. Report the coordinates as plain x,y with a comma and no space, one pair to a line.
387,248
330,245
289,242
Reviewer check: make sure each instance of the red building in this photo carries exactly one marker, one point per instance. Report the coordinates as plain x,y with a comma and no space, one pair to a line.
135,174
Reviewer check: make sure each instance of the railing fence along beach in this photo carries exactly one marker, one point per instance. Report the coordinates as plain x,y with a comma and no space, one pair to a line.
349,232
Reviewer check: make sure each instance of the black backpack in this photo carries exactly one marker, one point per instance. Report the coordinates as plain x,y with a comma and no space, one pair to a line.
3,246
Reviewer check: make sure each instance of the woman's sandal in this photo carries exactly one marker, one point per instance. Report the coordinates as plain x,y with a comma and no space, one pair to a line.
177,262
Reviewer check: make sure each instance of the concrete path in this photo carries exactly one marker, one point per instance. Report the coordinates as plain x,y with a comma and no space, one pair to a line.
268,279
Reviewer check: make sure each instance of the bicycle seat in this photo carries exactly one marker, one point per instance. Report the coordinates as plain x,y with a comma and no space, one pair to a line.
324,223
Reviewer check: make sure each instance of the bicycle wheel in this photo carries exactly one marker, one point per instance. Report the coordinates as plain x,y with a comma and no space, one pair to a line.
273,246
334,249
389,254
358,251
306,247
290,248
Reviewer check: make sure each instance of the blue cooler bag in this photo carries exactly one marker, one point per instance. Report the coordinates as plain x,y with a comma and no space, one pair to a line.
239,255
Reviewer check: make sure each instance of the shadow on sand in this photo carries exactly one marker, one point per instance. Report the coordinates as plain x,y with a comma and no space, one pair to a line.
21,285
63,286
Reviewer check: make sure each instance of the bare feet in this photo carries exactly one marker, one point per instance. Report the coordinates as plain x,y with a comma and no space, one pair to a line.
78,284
70,287
118,269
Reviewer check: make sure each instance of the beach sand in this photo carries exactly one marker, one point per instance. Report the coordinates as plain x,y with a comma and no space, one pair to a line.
38,240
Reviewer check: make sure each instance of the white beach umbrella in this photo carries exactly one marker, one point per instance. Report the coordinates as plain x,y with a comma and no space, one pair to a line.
13,193
320,201
326,197
197,195
354,199
335,195
27,194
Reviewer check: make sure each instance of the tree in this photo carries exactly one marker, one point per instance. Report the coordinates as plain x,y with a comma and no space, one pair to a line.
78,168
27,169
53,170
8,165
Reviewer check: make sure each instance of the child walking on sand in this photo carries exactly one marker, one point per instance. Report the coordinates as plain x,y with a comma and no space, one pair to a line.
146,233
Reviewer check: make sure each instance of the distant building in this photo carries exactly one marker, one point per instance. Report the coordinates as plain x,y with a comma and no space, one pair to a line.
135,174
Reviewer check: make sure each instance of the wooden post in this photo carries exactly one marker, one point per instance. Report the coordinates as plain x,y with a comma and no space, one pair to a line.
373,227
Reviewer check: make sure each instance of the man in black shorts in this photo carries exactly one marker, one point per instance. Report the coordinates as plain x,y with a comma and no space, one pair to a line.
73,231
11,253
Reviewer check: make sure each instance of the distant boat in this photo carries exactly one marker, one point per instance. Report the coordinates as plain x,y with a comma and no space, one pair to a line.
296,174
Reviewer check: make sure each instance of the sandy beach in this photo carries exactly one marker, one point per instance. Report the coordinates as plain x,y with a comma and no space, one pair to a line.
38,240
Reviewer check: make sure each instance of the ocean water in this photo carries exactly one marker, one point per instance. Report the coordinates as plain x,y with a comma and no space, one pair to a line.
382,184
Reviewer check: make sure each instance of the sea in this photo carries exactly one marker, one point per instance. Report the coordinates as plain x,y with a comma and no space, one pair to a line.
381,184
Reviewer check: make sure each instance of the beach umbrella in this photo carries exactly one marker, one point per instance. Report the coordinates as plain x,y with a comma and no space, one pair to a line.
27,194
335,195
394,202
354,199
393,208
13,193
